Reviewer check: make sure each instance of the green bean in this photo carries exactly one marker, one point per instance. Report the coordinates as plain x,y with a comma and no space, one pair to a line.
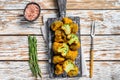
33,60
30,55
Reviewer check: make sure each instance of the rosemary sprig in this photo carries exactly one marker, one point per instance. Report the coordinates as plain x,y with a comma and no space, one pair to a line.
33,60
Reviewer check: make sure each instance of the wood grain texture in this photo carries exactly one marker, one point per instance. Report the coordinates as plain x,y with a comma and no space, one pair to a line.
71,4
107,21
16,48
20,71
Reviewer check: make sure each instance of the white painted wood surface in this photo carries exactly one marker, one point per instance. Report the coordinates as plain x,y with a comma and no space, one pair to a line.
107,21
20,71
14,31
71,4
16,47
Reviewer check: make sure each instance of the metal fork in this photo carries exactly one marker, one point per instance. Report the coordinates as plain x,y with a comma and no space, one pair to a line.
92,35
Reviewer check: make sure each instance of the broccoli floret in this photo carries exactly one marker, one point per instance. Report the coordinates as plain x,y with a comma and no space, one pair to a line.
58,69
68,65
66,28
60,36
63,49
56,25
60,48
74,28
73,72
67,20
55,47
72,39
74,47
70,68
72,55
58,59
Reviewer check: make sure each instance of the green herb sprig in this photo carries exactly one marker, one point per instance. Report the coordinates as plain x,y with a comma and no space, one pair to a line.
33,60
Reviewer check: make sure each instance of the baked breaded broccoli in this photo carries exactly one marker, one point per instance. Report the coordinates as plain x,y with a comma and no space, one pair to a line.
75,46
73,38
66,28
56,25
74,28
58,59
60,48
72,55
67,20
70,68
55,47
73,72
65,46
58,32
63,50
60,36
73,42
58,69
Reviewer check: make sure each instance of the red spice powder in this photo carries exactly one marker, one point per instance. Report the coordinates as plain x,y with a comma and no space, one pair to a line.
32,12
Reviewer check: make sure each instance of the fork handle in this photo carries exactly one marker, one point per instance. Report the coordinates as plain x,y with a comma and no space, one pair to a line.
91,62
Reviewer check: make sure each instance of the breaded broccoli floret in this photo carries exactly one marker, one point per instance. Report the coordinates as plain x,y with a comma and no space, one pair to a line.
60,48
73,72
74,46
63,49
70,68
55,47
58,59
58,69
58,32
60,36
72,55
74,28
72,39
66,28
68,65
56,25
67,20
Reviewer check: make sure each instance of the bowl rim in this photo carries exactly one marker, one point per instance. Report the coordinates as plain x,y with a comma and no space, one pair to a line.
38,13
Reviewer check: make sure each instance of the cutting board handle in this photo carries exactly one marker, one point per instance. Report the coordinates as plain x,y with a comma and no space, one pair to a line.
62,7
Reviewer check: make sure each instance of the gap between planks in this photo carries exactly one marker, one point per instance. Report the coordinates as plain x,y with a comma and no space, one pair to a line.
57,9
42,34
47,60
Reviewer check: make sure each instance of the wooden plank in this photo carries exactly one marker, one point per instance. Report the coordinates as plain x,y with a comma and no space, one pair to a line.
71,4
106,70
16,48
12,23
20,70
105,47
108,21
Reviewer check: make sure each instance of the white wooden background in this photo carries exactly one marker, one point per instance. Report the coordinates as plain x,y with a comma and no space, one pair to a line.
14,31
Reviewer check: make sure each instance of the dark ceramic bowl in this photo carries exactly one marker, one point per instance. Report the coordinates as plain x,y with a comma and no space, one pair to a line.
26,8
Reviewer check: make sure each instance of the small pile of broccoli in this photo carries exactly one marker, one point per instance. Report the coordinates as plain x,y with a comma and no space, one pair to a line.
65,46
